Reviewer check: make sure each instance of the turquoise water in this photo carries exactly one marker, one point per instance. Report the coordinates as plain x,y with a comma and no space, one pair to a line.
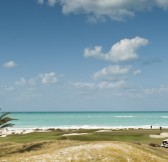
89,119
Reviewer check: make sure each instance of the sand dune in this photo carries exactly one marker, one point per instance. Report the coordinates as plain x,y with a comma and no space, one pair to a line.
96,151
162,135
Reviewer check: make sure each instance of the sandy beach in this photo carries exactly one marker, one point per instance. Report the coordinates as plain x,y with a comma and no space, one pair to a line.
9,131
19,131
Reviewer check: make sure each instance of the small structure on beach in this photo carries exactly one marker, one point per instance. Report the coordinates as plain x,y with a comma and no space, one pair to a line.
164,143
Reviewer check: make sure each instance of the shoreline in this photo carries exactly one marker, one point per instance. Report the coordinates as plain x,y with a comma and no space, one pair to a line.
16,130
91,127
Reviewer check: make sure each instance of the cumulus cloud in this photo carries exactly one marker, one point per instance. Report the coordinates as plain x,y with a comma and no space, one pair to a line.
112,85
4,88
52,2
10,89
100,85
124,50
136,72
24,82
83,85
113,9
21,82
48,78
10,64
162,90
40,1
111,70
162,3
97,9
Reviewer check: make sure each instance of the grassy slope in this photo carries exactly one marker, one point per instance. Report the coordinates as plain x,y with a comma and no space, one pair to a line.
27,145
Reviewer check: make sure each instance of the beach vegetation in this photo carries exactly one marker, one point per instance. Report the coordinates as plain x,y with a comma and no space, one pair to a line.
66,145
5,119
134,136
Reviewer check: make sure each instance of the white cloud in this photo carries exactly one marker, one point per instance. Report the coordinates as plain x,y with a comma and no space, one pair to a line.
40,1
83,85
21,82
124,50
136,72
98,8
10,64
48,78
112,85
52,2
100,85
162,90
10,89
6,90
111,71
32,82
162,3
27,95
113,9
24,82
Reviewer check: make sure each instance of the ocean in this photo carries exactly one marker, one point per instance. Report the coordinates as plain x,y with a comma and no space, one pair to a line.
90,119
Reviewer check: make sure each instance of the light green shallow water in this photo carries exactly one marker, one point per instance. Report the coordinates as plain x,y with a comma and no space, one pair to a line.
90,119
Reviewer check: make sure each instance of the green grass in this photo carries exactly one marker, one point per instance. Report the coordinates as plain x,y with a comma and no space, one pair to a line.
135,136
38,143
41,136
139,136
31,137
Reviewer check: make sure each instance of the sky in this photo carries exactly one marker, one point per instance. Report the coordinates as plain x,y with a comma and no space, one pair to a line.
84,55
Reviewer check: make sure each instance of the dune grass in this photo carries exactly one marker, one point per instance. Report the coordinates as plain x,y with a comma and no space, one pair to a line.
141,136
29,145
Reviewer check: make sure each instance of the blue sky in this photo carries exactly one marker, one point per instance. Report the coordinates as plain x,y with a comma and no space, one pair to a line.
83,55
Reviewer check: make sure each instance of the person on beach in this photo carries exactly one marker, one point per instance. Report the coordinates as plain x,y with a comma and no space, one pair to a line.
151,126
161,128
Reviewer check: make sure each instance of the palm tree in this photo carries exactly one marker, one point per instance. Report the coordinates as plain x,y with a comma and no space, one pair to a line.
4,119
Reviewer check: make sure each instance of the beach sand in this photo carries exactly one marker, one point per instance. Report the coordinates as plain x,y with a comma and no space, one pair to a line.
8,131
162,135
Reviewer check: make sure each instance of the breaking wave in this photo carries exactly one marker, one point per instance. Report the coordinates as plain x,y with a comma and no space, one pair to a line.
164,116
124,116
